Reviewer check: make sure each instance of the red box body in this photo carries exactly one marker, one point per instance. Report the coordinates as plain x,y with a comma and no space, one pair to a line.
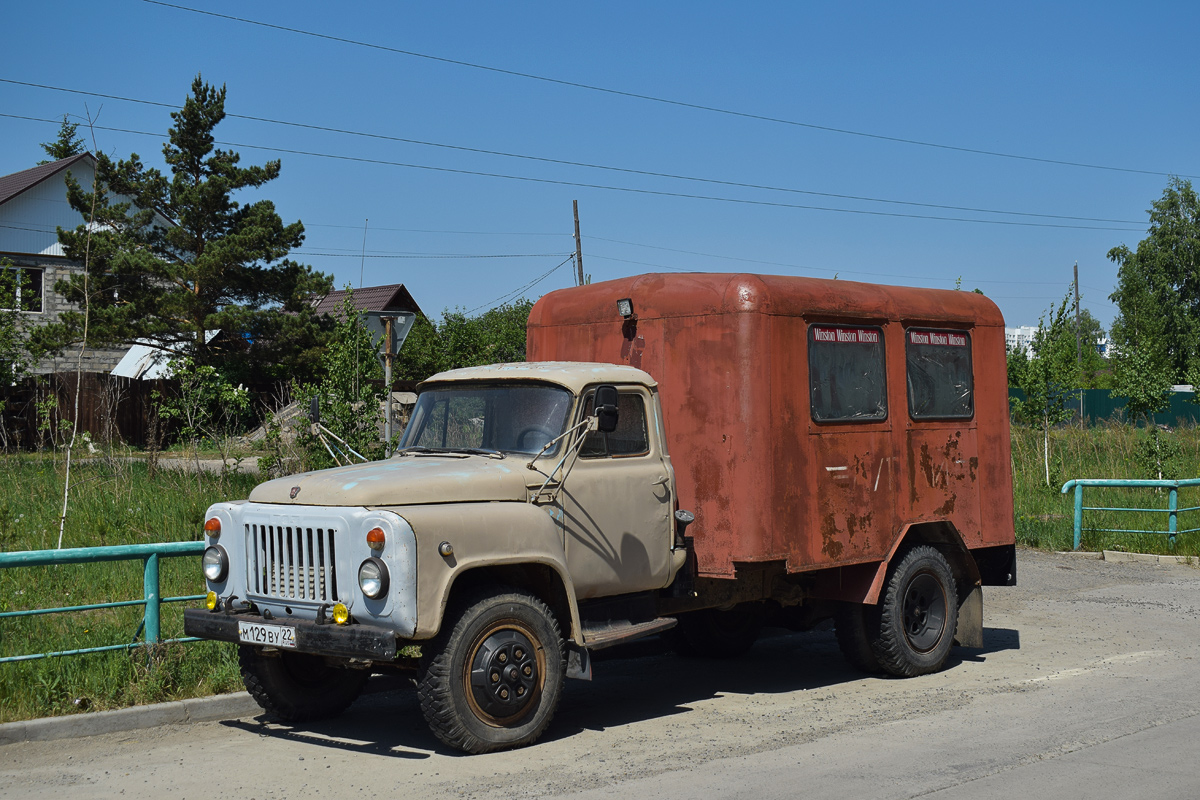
765,481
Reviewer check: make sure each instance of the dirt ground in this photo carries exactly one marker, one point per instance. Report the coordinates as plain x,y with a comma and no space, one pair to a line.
1086,687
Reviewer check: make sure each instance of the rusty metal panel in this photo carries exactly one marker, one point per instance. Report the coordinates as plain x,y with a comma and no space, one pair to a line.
730,355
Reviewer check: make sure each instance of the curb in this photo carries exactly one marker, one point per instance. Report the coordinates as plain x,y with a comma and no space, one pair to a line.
1148,558
178,712
1120,557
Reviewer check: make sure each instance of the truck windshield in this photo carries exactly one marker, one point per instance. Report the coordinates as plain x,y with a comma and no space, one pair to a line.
510,418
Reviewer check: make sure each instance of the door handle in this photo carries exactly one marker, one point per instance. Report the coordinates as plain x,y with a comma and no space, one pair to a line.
661,480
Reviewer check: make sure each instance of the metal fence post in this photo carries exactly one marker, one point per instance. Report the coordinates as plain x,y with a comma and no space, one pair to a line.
1078,515
1173,514
150,587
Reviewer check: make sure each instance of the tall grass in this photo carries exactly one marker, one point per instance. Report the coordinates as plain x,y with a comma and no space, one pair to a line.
1044,515
112,502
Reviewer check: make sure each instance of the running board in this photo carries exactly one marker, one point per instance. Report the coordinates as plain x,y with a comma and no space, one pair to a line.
598,635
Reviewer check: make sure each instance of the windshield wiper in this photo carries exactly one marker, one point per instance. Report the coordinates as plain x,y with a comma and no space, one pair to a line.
472,451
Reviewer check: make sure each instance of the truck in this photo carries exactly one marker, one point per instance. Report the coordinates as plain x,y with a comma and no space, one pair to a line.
694,456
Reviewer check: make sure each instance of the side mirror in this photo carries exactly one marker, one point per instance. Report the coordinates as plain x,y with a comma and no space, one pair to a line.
605,405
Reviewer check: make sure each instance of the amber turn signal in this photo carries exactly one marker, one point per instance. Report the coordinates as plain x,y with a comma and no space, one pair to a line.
211,601
213,527
341,614
376,538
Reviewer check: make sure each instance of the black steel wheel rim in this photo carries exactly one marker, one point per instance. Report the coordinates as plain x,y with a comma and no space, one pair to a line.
924,612
504,675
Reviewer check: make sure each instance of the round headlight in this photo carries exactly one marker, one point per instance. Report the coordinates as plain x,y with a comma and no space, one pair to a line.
373,578
216,563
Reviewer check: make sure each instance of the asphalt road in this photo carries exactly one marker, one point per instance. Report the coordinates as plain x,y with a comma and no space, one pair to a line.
1087,688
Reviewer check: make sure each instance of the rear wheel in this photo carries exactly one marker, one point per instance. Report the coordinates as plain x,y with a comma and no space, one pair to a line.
918,614
492,678
298,686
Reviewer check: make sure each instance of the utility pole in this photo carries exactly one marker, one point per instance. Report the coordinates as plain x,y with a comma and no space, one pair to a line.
1078,346
578,247
388,322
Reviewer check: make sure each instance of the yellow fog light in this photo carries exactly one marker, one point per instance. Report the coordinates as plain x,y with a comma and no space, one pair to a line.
211,601
341,614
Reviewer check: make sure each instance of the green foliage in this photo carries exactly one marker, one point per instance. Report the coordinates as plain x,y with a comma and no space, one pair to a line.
349,390
494,337
216,265
1050,377
1158,285
206,405
66,145
1018,365
1160,455
1144,380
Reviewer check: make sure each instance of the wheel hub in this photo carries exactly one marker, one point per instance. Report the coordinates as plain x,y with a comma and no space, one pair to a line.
924,612
504,673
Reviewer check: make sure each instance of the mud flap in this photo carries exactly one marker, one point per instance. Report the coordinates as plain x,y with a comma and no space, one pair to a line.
970,620
579,663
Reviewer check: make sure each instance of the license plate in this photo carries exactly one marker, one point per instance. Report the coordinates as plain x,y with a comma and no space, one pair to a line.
267,635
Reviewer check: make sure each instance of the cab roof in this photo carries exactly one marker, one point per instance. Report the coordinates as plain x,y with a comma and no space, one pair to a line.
573,375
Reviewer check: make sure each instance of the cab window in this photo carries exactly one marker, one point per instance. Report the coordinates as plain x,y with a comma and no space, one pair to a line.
631,438
846,377
940,381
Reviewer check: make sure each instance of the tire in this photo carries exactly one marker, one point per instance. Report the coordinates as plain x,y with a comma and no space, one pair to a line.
713,633
857,628
296,687
918,614
492,678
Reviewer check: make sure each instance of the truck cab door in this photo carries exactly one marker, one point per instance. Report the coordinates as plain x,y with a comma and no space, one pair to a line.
617,503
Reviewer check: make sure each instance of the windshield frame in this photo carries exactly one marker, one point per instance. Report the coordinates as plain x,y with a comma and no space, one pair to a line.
425,413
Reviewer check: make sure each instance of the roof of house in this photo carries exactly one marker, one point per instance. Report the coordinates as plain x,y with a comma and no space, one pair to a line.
18,182
393,297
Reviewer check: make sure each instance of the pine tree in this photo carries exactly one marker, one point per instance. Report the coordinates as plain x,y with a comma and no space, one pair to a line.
173,259
66,145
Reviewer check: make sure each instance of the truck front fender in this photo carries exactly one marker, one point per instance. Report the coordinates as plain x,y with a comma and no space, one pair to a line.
496,537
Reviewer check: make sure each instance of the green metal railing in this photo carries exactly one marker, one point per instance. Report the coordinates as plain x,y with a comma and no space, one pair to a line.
1172,510
150,554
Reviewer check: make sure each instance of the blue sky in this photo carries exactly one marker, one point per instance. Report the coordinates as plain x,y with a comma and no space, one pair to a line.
1106,84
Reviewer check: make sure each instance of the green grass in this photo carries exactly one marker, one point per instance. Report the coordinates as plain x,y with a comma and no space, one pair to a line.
1044,516
111,503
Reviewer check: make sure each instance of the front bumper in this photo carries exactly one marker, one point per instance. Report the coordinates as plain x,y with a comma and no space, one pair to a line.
328,639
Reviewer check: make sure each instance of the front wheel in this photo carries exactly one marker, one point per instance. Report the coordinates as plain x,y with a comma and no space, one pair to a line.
918,614
492,678
298,686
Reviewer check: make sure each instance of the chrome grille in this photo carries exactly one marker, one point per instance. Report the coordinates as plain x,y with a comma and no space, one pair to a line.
292,562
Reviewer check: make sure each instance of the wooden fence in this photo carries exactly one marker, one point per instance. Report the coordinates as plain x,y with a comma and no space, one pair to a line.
38,411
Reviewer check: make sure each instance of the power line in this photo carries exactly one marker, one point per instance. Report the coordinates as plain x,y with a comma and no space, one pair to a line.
605,187
665,100
587,165
429,255
525,288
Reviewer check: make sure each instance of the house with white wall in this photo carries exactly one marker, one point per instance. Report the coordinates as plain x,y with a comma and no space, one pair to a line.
33,205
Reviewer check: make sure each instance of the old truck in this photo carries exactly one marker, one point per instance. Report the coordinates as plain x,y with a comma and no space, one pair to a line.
693,456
